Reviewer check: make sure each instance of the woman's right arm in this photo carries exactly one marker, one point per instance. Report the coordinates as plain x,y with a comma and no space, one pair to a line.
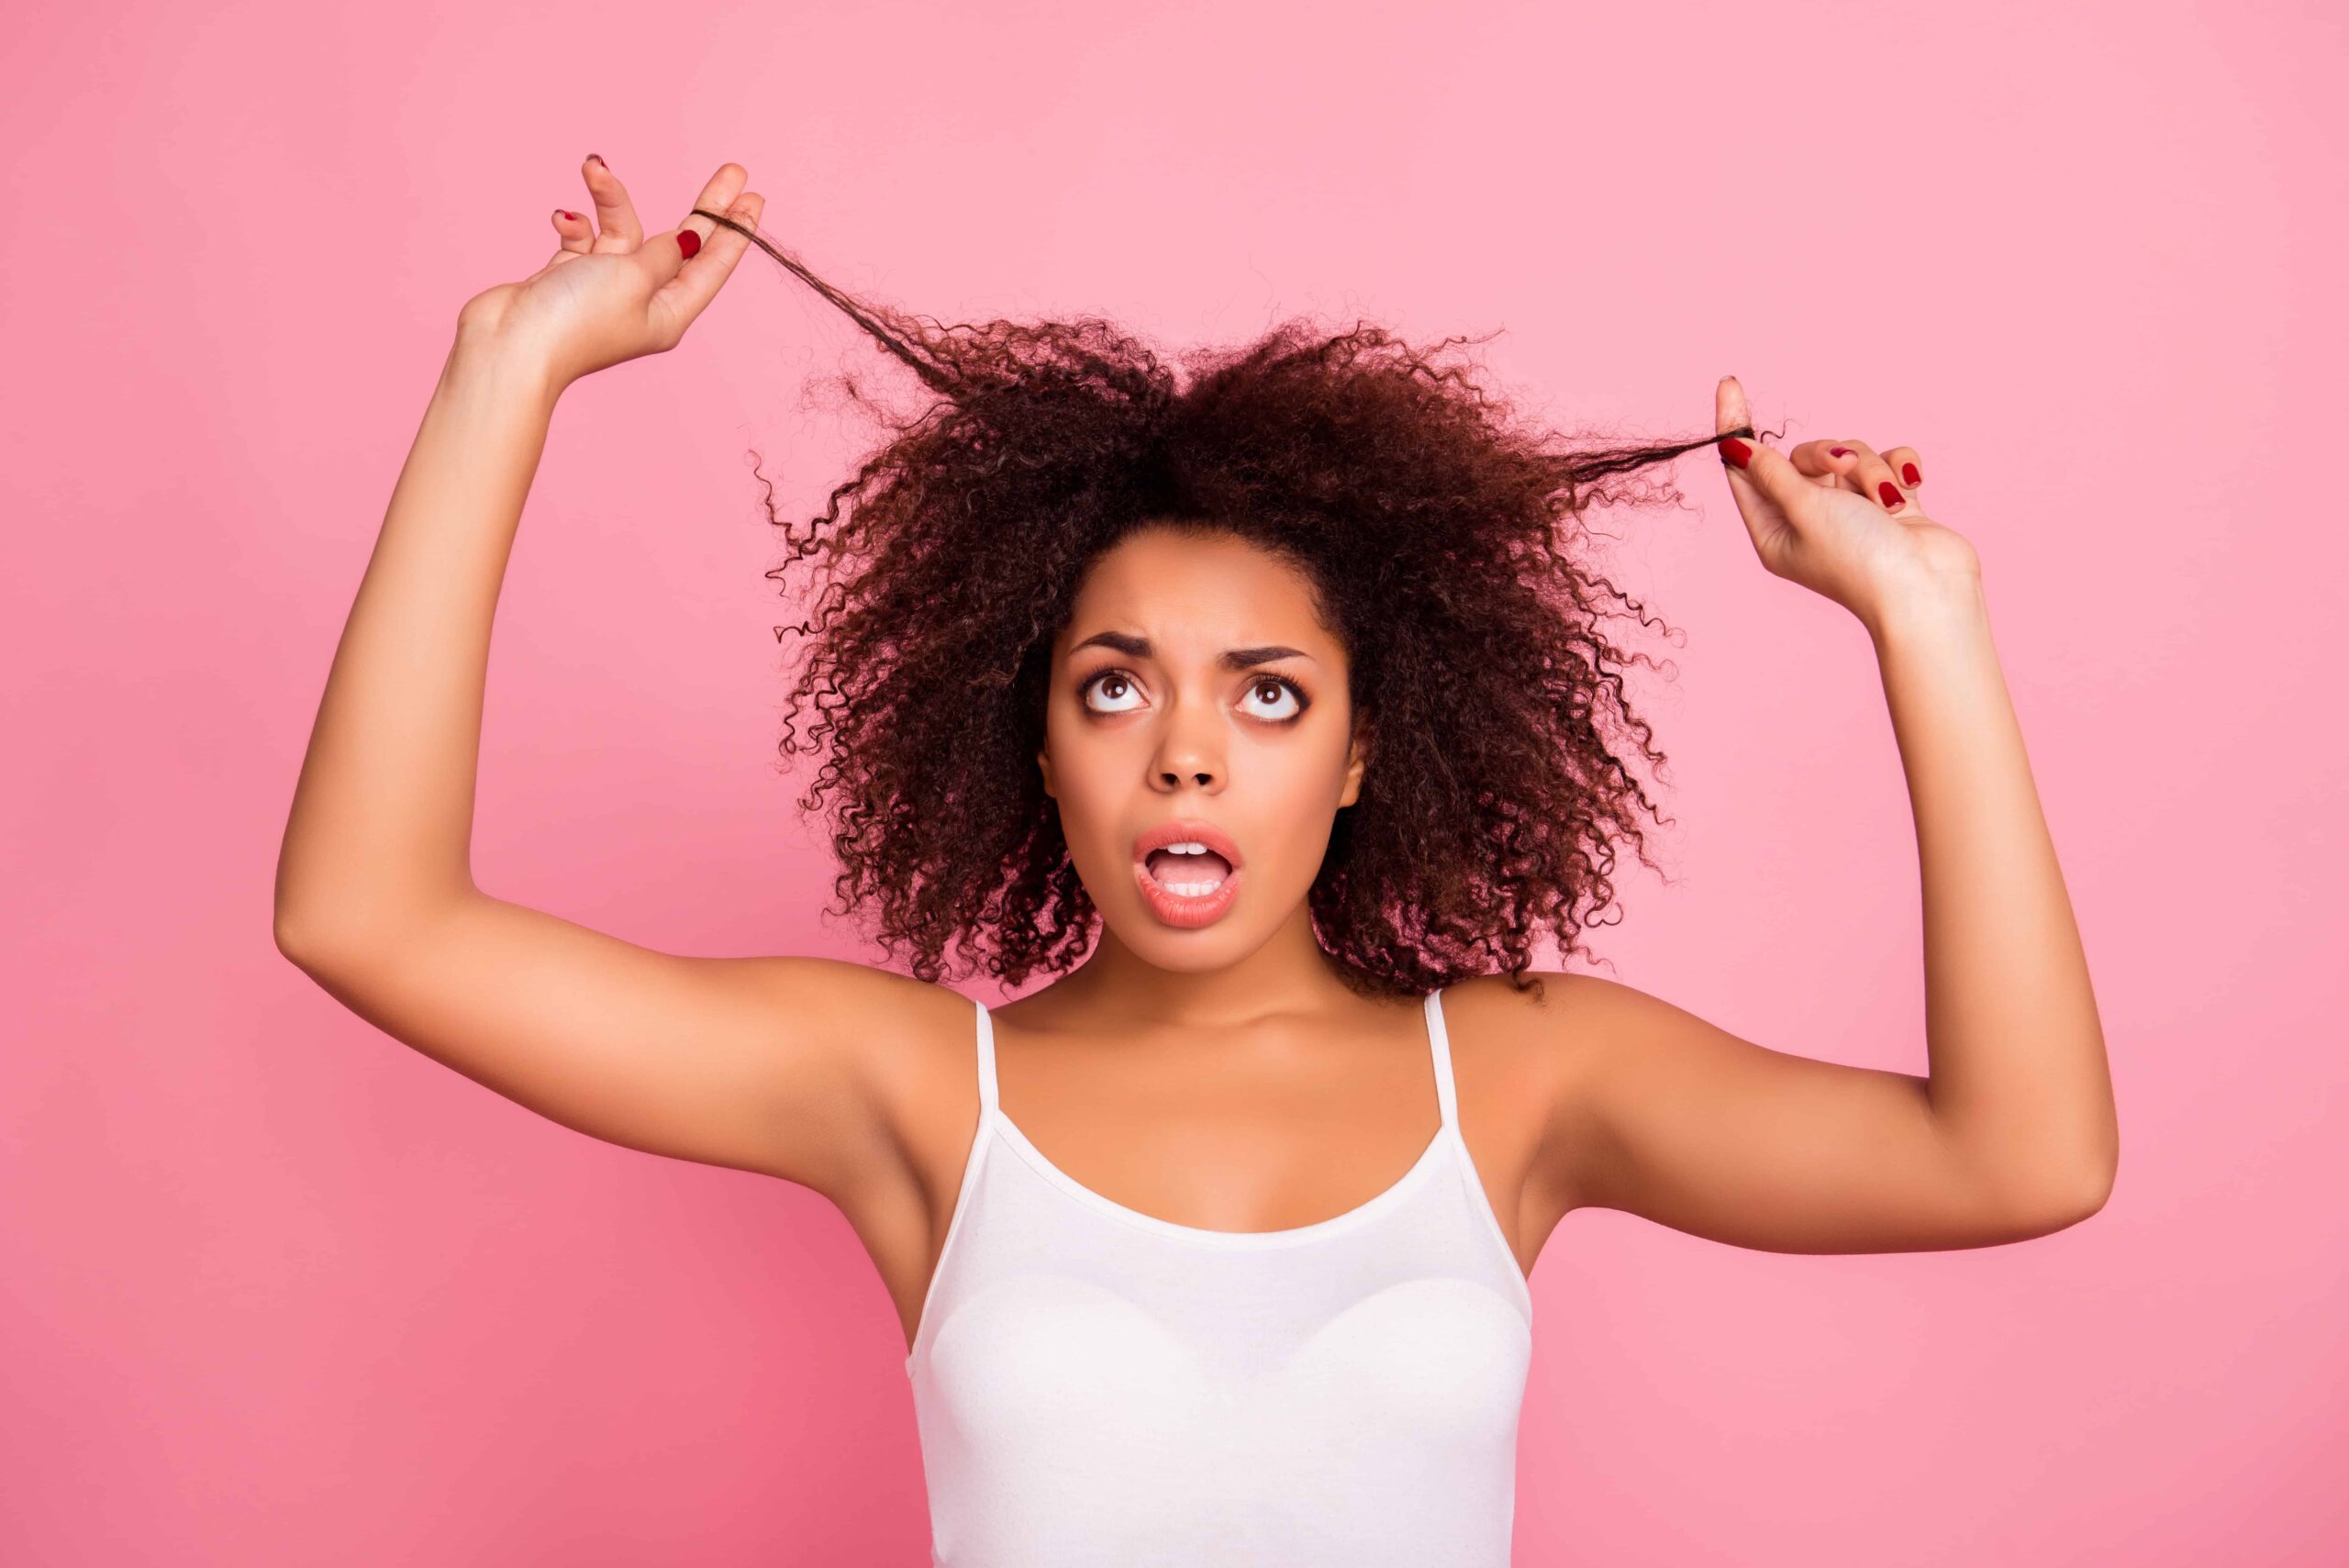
772,1064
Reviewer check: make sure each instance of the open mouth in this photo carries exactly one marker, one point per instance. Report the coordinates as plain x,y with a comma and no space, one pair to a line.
1188,873
1188,870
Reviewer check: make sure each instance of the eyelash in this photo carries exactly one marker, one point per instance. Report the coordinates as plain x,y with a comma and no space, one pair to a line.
1303,702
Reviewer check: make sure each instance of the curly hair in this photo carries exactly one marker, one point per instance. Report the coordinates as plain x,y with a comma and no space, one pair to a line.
1435,526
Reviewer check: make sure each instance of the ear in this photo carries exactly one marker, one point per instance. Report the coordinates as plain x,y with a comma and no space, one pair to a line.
1044,761
1357,758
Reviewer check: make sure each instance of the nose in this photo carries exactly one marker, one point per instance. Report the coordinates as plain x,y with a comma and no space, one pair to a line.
1189,750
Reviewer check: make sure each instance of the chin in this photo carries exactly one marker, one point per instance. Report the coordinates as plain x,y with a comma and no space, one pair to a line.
1193,950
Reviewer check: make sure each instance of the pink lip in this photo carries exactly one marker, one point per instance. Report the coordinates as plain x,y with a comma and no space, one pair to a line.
1172,908
1186,829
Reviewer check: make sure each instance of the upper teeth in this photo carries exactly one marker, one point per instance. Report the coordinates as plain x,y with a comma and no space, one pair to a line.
1185,848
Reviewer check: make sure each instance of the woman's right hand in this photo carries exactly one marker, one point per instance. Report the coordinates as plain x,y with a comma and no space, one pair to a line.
608,294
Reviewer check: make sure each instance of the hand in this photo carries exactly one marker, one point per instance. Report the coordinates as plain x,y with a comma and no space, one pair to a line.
1837,517
608,294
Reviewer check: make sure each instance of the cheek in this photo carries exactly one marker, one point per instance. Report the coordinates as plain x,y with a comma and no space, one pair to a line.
1290,792
1092,777
1306,765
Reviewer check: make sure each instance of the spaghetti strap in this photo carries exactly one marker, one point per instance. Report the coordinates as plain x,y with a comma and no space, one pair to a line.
1440,1046
1092,1384
986,1060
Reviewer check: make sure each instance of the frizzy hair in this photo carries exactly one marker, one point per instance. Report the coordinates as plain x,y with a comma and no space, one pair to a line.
1437,530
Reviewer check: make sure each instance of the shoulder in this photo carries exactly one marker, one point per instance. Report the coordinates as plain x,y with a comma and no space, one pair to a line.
1540,1017
1547,1033
898,1051
1541,1051
1570,1020
916,1044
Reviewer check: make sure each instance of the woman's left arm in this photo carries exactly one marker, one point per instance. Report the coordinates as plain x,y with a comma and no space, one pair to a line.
2013,1133
2018,1086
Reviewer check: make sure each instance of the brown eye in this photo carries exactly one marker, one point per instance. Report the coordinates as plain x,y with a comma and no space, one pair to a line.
1278,688
1114,682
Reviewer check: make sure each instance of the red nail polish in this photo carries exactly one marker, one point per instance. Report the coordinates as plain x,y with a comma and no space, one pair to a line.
1736,452
1908,471
689,241
593,159
568,213
1839,451
1891,497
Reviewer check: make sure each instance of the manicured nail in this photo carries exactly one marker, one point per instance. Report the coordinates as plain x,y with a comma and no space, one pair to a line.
1891,497
1908,471
689,241
593,159
1736,452
1839,451
565,212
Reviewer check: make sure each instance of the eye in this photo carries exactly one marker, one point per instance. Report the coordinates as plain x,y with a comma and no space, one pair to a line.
1279,687
1109,681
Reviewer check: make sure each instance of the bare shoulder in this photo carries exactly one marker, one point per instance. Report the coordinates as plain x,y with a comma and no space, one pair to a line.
916,1045
906,1044
1547,1021
1535,1052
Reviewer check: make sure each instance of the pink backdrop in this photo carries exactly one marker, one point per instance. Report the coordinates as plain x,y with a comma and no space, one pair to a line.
278,1291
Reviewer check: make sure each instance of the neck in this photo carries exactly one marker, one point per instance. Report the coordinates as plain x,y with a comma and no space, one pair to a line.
1289,973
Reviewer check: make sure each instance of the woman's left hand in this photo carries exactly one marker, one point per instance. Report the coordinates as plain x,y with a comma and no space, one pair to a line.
1837,517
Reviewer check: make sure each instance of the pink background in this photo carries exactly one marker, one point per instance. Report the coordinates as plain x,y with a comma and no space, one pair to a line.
278,1291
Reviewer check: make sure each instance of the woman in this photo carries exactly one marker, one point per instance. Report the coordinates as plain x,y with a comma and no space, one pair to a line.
1281,681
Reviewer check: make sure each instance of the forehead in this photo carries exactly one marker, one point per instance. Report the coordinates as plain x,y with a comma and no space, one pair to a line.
1197,593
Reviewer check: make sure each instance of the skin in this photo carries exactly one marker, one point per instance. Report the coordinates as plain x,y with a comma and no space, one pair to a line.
1224,1077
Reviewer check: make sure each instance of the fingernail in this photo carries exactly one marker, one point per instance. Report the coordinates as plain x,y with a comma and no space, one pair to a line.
1736,452
1908,471
1891,497
565,212
1839,451
593,159
689,242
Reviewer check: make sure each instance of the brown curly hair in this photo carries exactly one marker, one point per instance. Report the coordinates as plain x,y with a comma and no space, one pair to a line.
1433,524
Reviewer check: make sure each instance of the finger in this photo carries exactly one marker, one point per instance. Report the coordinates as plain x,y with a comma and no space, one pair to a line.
575,231
1764,476
1834,465
1729,412
1904,462
1870,474
616,228
692,282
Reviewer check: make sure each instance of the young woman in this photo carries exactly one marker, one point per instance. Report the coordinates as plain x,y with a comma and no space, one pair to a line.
1276,699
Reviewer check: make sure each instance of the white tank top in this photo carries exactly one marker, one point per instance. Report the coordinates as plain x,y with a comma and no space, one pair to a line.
1094,1385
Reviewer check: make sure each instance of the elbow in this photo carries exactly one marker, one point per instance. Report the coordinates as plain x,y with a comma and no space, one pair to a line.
2061,1208
320,928
311,942
2087,1201
2096,1172
2096,1189
296,939
298,915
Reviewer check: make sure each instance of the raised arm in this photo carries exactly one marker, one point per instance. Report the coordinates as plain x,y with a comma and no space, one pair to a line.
2012,1131
762,1063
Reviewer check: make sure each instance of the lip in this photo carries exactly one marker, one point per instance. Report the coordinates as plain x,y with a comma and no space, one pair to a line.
1170,907
1188,829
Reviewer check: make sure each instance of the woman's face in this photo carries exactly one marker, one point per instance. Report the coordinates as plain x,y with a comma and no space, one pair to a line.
1195,696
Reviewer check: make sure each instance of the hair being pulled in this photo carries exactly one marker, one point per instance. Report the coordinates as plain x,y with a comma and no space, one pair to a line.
1445,541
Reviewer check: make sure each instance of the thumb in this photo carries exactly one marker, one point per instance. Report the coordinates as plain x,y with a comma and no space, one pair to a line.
1746,460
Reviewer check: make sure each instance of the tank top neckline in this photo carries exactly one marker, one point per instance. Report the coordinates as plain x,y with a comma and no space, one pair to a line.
991,1114
995,1129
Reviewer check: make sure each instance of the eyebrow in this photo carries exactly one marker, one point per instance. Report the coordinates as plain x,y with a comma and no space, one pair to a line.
1230,659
